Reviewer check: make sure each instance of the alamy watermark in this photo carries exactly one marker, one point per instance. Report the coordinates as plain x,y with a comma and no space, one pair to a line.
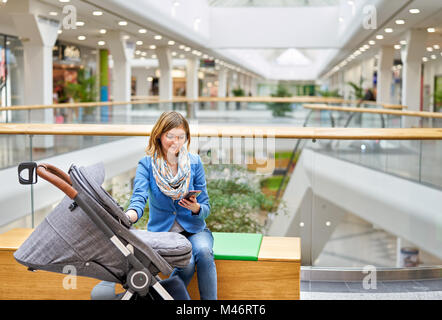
253,147
70,18
70,281
370,280
369,20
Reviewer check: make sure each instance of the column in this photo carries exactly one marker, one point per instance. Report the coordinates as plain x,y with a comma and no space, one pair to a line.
122,53
385,75
165,86
254,87
38,38
222,87
412,55
143,85
104,83
192,85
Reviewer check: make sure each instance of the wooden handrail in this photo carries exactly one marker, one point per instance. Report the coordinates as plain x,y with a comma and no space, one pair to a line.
283,132
422,114
156,100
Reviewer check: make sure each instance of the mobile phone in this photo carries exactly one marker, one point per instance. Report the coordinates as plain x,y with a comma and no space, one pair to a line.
195,193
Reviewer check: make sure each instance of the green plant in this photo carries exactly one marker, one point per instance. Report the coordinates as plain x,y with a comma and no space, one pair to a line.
358,90
236,201
438,100
280,108
329,94
238,92
84,90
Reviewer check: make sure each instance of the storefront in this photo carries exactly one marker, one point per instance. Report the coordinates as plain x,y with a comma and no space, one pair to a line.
68,60
74,78
11,74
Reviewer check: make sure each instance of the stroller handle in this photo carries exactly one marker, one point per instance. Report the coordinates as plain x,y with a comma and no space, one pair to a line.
58,178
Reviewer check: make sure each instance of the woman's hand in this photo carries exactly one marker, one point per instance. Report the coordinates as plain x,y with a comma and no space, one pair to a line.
190,204
132,215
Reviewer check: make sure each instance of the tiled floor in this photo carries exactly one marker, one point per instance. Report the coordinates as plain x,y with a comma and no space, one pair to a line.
385,290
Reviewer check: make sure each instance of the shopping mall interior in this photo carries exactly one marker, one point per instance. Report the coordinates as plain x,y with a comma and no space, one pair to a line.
319,123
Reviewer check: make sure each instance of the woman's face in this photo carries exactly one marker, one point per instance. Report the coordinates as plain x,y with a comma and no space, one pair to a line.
173,140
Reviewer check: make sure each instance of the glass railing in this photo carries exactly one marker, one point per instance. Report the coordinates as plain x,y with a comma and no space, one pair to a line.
353,202
337,196
204,112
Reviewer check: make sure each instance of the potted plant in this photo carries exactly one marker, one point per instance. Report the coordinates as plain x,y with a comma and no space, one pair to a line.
84,90
280,108
438,101
358,90
330,94
238,92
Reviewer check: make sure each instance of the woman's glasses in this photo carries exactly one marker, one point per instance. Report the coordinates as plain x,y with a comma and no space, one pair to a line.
172,137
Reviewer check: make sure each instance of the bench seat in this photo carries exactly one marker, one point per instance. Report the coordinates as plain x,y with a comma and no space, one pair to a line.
249,267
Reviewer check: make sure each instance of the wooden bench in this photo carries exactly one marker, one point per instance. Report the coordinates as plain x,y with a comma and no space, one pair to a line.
269,269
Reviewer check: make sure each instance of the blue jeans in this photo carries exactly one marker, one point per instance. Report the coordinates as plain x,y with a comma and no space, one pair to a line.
202,258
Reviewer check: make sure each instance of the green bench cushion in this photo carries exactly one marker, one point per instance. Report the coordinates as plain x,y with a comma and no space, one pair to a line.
236,246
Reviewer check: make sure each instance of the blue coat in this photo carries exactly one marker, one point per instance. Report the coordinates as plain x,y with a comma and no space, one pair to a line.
163,210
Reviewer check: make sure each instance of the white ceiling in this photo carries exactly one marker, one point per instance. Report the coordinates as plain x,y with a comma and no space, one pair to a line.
286,41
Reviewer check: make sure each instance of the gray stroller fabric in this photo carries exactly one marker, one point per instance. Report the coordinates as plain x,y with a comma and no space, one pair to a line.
68,237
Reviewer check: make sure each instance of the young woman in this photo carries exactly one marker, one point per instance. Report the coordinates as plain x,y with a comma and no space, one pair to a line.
164,177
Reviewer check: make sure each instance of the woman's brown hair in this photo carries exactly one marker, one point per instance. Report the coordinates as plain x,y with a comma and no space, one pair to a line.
167,121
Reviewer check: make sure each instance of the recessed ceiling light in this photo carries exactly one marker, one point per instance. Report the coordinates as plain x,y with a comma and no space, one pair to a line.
158,37
122,23
81,38
372,42
154,56
433,56
187,49
414,11
436,46
60,31
182,47
424,59
174,53
379,37
101,43
152,47
150,79
403,42
430,49
53,13
97,13
103,31
182,56
79,23
431,30
388,30
400,21
126,37
171,42
397,46
142,31
139,43
64,1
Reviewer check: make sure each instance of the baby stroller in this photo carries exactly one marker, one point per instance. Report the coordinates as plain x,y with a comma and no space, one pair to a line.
89,231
